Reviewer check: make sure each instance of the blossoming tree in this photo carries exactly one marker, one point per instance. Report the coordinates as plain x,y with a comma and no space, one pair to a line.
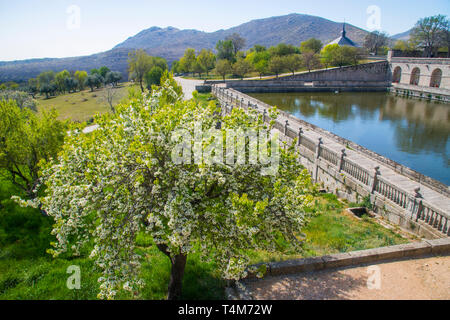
109,185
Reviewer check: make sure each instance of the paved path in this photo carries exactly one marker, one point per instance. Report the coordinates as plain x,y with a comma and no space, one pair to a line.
188,86
427,278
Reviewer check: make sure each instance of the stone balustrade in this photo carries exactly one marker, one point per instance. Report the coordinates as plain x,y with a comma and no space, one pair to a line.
402,200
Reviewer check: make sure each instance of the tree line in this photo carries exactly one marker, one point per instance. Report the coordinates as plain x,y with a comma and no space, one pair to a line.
229,58
50,83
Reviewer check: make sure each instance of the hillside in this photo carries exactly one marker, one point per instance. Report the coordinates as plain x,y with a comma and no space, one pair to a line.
402,36
170,43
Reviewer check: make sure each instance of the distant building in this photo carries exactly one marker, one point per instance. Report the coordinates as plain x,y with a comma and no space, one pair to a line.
343,40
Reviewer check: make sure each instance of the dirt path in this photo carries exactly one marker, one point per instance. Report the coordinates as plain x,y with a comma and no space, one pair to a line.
427,278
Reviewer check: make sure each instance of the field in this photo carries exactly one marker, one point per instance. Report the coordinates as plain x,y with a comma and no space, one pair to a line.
82,106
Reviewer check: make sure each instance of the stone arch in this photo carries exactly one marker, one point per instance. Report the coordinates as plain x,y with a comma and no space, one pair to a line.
397,75
436,78
415,77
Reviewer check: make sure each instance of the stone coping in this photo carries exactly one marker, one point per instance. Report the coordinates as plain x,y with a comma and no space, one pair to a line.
409,250
347,259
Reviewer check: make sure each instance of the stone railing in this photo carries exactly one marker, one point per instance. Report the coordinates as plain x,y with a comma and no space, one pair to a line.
412,205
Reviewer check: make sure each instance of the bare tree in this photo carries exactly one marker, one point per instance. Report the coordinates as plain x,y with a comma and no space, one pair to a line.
238,42
109,94
375,40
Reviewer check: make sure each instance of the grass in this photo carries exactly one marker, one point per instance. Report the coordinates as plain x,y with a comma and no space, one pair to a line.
333,230
82,106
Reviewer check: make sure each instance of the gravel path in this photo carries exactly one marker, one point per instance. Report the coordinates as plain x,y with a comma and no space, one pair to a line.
427,279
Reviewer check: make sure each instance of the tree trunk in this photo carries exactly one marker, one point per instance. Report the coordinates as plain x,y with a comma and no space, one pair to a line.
178,263
176,277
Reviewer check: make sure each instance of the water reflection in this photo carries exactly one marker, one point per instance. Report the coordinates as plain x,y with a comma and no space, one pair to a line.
412,132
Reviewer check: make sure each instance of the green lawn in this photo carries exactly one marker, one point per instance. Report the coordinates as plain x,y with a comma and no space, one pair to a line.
82,106
333,230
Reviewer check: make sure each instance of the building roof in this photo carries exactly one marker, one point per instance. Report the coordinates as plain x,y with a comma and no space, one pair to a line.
343,40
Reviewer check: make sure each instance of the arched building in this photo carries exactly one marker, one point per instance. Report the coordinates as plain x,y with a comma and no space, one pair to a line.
421,77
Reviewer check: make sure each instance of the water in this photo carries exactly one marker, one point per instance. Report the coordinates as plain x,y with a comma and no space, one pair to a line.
412,132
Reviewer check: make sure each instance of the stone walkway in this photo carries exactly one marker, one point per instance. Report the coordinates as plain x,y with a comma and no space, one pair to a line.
188,86
427,278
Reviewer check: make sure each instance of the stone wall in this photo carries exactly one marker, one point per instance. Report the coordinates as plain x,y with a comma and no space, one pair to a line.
364,77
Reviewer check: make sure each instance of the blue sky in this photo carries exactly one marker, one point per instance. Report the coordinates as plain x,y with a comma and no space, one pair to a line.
45,28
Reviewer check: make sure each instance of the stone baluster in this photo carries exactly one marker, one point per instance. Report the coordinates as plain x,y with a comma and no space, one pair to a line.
242,103
286,127
264,115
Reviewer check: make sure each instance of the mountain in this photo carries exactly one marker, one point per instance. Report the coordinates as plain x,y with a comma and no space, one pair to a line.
402,36
170,43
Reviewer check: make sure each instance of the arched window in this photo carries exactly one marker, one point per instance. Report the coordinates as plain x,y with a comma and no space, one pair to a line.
415,77
397,75
436,77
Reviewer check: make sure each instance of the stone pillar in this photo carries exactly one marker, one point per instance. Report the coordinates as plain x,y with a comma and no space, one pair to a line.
341,160
375,178
319,145
300,132
316,162
415,204
390,55
418,203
